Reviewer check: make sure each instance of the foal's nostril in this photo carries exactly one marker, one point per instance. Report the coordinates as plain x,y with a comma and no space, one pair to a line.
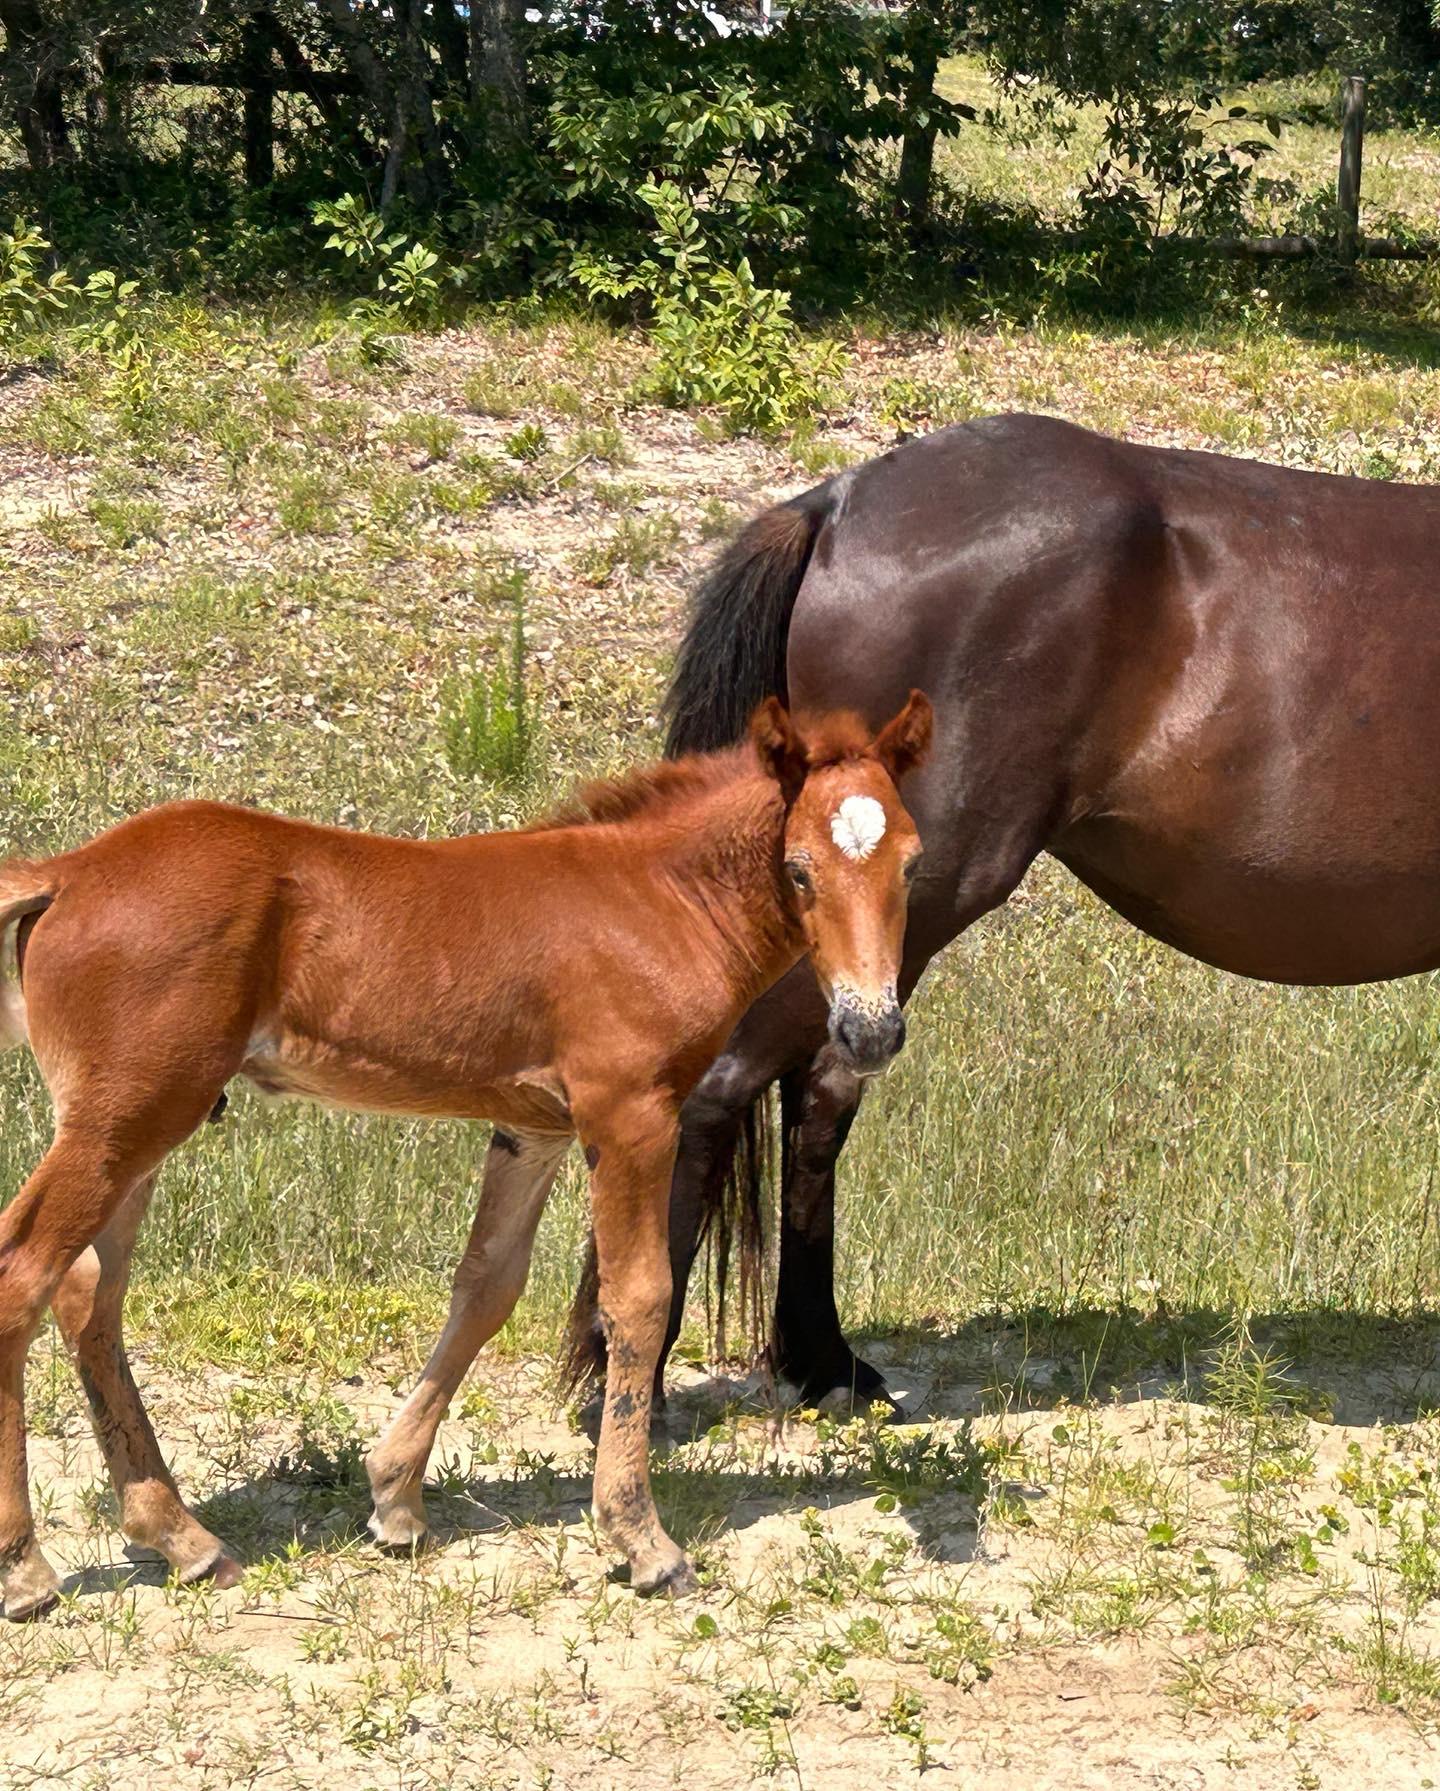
868,1039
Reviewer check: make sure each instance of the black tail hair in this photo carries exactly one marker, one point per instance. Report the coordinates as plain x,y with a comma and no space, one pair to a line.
733,654
731,659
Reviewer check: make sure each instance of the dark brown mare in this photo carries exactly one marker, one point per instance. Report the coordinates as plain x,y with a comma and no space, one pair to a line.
576,979
1210,687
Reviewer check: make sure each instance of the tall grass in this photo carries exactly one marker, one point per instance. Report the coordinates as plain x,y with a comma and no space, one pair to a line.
1084,1117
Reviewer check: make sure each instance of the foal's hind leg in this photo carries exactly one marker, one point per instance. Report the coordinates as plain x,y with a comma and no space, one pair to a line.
519,1172
88,1304
78,1186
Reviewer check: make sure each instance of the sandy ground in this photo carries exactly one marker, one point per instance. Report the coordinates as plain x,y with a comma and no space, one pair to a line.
999,1610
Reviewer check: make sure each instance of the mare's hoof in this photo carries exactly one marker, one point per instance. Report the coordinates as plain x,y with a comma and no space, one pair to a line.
849,1402
222,1570
678,1581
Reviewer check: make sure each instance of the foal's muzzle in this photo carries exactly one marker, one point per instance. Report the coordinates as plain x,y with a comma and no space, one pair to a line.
866,1033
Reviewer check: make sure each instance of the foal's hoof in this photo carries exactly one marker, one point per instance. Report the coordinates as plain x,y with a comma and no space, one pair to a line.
678,1581
31,1587
399,1531
222,1570
25,1607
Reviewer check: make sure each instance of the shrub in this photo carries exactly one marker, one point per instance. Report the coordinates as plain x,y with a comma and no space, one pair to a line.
723,338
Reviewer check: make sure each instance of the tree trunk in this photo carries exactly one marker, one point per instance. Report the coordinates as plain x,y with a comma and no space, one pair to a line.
33,71
259,101
497,68
425,170
917,149
450,42
379,90
369,71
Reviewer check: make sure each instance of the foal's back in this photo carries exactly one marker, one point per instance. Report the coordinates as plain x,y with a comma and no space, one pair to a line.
361,970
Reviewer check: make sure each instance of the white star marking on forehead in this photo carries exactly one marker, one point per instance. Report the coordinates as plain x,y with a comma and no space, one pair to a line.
858,826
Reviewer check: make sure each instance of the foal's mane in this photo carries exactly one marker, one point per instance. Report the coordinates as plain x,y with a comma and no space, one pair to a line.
651,790
830,739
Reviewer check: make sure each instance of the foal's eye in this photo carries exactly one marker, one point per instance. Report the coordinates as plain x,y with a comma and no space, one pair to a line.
799,876
912,867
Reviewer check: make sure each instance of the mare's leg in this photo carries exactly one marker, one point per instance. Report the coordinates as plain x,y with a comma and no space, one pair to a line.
711,1124
519,1172
818,1103
630,1147
88,1303
819,1099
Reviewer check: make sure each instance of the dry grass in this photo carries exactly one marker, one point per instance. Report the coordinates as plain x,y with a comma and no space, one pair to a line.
1182,1568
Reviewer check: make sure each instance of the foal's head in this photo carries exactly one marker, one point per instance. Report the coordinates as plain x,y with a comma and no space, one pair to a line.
851,852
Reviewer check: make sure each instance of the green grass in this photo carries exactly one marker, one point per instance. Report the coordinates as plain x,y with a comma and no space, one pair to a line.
1401,181
1083,1120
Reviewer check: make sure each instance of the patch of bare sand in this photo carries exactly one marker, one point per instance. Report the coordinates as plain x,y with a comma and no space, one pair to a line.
979,1591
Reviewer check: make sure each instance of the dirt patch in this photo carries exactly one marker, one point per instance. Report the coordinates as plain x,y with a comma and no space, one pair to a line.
1184,1586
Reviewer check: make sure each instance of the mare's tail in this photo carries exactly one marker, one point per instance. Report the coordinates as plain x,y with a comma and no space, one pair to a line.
731,659
26,890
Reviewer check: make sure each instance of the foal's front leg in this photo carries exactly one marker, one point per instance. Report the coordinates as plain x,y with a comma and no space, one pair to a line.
631,1153
520,1170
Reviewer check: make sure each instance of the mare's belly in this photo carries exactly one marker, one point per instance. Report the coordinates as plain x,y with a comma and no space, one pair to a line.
1272,920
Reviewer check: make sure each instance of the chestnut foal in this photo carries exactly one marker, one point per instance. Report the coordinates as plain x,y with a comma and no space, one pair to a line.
575,979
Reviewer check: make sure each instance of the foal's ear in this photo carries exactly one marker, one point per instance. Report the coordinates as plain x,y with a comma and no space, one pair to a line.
904,741
781,751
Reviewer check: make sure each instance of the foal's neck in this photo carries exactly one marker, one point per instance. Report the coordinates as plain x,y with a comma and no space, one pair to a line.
730,856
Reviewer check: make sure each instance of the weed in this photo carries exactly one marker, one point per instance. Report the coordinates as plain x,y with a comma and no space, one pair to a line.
490,392
430,435
121,522
308,504
603,443
905,1717
487,722
1261,1438
635,545
719,520
529,442
17,632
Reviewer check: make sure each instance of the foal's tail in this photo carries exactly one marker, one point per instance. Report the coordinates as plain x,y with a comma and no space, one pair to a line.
731,659
26,889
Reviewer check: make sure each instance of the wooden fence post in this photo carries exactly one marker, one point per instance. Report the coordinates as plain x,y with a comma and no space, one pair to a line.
259,102
1347,185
